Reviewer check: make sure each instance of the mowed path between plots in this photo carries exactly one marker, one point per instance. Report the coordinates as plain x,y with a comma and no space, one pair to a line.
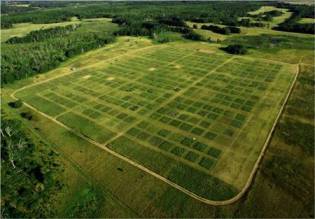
169,182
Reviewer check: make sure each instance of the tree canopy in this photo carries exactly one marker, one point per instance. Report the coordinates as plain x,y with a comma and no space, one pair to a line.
235,49
29,173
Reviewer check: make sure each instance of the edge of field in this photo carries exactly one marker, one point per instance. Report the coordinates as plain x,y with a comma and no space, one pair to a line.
143,168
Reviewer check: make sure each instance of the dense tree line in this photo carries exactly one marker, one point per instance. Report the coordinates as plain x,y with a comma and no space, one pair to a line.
52,4
131,27
39,17
218,12
235,49
222,30
14,8
292,24
15,104
20,60
6,25
246,22
173,20
192,36
29,173
150,28
44,34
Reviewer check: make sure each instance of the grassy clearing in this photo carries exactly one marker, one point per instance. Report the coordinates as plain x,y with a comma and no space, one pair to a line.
280,19
22,29
266,43
306,20
263,9
278,47
245,31
276,20
159,100
165,37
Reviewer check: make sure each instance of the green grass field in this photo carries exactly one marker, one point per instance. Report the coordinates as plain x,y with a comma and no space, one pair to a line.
22,29
276,20
307,20
191,114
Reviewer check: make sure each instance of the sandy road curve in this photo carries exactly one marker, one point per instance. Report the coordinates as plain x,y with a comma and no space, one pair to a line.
133,163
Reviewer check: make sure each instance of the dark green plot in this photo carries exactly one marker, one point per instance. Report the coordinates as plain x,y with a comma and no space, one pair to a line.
164,133
164,119
130,119
192,109
197,131
185,127
210,135
105,109
143,125
199,146
155,141
191,156
133,132
229,132
187,141
214,152
207,163
183,117
178,151
175,123
212,116
235,106
95,115
246,108
165,146
205,124
193,120
98,106
122,116
236,123
143,136
240,117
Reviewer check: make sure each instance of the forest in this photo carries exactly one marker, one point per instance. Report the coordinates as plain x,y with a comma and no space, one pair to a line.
235,49
29,172
267,16
136,12
41,35
22,57
299,11
222,30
